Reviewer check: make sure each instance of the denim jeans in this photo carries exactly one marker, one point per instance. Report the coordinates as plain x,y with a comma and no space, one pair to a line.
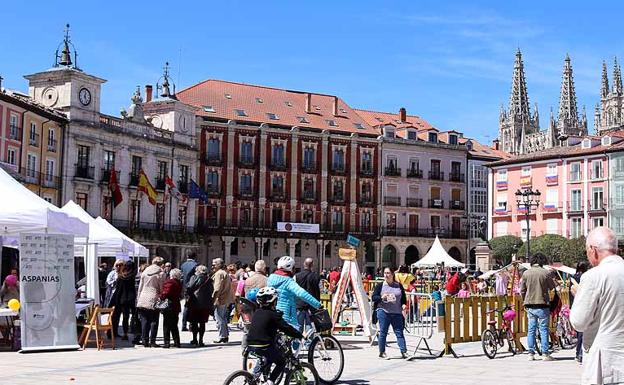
538,318
221,315
303,318
579,345
397,322
149,325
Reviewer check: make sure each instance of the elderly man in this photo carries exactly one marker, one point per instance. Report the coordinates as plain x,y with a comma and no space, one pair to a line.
258,279
598,310
310,281
223,296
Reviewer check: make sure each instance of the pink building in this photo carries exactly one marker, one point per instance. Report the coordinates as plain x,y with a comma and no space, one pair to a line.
572,180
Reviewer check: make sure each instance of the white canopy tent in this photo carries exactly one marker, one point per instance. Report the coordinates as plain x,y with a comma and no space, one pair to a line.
139,249
22,211
436,256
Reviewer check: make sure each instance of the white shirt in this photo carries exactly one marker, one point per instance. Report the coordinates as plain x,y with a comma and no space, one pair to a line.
598,312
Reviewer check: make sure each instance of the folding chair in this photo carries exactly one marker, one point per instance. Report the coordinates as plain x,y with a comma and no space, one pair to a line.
100,321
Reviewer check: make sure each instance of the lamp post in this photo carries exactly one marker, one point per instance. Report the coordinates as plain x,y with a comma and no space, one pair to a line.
472,222
526,200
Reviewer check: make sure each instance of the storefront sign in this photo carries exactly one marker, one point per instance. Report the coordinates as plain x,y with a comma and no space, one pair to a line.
47,293
290,227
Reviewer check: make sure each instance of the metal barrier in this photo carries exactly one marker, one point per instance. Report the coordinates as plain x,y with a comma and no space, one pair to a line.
421,318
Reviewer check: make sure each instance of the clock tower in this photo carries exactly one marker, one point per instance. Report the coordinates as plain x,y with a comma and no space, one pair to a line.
66,87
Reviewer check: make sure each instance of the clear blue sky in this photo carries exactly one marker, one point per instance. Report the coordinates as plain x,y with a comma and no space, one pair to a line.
449,62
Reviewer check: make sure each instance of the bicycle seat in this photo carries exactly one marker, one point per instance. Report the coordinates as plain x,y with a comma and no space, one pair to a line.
491,322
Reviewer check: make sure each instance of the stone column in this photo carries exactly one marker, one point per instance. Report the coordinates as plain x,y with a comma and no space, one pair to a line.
227,242
377,245
258,243
294,169
292,243
320,251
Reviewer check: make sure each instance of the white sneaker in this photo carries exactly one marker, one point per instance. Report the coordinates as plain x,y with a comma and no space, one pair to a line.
547,357
269,382
531,357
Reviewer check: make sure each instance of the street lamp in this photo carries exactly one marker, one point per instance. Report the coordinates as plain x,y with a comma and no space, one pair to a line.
472,222
526,200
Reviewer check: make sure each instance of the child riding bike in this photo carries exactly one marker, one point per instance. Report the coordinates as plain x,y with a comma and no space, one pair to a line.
265,323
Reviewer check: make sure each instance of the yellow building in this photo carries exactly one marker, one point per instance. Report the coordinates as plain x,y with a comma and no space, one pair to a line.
31,138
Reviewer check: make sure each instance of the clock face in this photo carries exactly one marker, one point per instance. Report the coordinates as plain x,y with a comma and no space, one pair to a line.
84,96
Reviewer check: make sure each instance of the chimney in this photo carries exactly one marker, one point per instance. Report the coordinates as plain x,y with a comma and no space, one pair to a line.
495,144
308,102
402,115
148,93
335,105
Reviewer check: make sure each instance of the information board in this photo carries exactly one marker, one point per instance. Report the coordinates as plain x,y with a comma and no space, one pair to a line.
47,292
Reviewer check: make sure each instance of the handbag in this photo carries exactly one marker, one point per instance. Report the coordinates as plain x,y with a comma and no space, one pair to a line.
163,305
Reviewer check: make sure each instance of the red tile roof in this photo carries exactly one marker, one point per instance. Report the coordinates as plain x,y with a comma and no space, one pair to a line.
258,101
484,151
376,118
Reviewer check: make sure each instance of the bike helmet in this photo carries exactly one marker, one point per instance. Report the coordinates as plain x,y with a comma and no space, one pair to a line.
266,296
286,263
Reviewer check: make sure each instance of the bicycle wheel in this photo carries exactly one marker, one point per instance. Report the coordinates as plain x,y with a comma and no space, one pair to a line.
303,374
489,341
327,357
240,377
252,363
511,342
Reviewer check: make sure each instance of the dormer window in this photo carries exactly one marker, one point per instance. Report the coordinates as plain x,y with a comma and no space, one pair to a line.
606,141
469,145
412,135
240,112
228,96
272,116
259,100
586,143
331,123
389,133
377,118
453,139
359,126
208,109
433,137
289,104
303,119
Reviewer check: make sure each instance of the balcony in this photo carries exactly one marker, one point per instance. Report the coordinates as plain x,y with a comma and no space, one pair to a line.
246,162
414,202
552,207
84,171
414,173
33,140
338,169
392,171
278,196
575,207
15,133
392,201
456,205
366,172
213,192
152,229
457,177
337,199
436,175
278,166
436,204
214,160
308,197
51,145
440,232
308,167
106,174
183,186
596,206
160,183
134,179
246,194
366,202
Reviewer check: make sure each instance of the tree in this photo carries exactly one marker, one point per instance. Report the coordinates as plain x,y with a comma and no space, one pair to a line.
504,247
551,245
573,252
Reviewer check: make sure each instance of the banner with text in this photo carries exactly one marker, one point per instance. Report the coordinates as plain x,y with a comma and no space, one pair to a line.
47,293
290,227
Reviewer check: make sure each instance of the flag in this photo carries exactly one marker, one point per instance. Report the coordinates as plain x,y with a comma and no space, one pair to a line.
551,179
197,192
550,206
525,180
501,184
113,186
173,190
146,187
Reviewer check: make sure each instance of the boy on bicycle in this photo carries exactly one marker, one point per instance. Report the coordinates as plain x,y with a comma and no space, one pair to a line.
265,323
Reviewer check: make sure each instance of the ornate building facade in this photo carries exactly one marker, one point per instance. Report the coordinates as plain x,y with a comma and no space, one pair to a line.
609,115
519,129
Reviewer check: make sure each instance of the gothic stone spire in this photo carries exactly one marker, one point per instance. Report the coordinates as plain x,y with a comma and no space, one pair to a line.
567,99
604,85
519,99
617,78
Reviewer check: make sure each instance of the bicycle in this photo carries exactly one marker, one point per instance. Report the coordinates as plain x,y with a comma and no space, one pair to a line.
324,353
296,372
564,330
493,337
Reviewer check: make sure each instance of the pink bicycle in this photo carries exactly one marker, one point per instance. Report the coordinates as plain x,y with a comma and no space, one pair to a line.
493,337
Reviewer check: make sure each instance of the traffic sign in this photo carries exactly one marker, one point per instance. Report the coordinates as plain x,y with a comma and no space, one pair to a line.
353,241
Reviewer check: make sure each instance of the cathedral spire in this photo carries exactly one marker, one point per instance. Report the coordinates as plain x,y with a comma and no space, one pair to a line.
604,85
617,78
567,99
519,99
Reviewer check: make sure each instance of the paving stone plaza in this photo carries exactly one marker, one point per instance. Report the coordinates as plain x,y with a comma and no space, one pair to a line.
212,364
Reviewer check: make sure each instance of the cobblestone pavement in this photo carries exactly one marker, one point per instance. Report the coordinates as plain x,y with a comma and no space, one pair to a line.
210,365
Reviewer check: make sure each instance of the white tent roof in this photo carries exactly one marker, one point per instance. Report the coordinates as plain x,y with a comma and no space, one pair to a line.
21,210
109,243
437,255
139,249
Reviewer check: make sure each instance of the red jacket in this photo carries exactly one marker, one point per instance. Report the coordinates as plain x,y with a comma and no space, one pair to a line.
172,289
453,285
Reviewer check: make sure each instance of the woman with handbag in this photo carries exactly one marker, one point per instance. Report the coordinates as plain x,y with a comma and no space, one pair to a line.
150,286
199,304
170,304
389,301
125,298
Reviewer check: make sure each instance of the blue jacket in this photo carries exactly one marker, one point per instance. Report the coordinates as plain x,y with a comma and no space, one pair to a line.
287,291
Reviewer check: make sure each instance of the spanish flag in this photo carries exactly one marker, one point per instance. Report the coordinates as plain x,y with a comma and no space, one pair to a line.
146,187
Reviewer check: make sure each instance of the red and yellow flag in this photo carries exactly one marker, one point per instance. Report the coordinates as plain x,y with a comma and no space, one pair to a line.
146,187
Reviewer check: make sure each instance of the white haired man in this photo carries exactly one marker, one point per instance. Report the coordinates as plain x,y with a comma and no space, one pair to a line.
223,296
598,310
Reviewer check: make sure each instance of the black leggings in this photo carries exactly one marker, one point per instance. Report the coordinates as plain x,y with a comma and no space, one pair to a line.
170,327
198,327
119,310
